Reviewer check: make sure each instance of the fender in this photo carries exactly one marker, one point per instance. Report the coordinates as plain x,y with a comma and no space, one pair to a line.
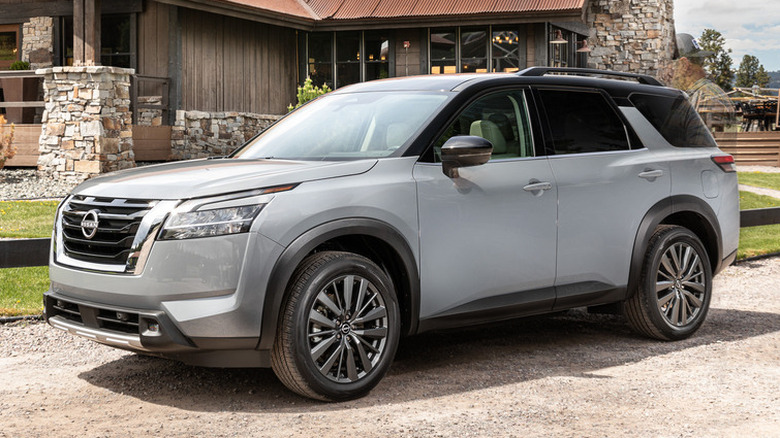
660,214
295,253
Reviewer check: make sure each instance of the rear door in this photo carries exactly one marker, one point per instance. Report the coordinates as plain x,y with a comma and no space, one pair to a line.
606,183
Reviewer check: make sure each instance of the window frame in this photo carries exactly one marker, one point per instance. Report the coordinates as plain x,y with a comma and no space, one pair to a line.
632,139
458,106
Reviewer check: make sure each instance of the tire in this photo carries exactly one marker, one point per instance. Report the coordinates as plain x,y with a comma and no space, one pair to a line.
325,349
675,286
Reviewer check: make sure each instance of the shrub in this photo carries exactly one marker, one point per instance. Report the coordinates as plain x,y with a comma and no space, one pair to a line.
6,150
308,92
19,65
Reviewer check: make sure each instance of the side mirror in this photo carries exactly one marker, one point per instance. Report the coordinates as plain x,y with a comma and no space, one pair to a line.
464,151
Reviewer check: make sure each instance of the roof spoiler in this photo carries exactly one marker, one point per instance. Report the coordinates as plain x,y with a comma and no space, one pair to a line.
541,71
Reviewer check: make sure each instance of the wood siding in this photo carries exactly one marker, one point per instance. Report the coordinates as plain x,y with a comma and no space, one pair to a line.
230,64
153,40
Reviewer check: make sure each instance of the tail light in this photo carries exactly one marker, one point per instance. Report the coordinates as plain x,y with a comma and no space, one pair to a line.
725,162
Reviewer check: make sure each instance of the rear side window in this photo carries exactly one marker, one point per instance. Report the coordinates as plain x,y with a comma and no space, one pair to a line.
675,119
582,121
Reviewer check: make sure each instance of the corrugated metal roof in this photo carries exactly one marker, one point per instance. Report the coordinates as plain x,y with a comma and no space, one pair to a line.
286,7
363,9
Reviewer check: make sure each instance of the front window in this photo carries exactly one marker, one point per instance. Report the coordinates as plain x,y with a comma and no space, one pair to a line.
116,33
9,45
346,127
443,44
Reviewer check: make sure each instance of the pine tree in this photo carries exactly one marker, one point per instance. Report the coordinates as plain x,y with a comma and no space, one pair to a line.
751,72
718,65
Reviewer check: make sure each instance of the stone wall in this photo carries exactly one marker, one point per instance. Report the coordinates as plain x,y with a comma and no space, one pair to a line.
632,35
149,116
86,122
198,134
38,42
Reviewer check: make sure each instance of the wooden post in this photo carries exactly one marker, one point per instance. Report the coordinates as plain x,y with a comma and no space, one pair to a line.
86,32
78,32
92,32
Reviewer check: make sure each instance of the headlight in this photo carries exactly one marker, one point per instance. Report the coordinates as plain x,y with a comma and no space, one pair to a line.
205,223
218,216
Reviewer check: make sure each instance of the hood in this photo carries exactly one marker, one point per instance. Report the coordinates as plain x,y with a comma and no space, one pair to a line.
199,178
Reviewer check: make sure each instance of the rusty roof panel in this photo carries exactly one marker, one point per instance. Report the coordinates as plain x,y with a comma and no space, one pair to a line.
432,7
356,9
285,7
324,8
394,8
537,5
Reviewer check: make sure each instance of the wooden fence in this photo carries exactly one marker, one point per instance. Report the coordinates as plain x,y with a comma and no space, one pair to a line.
751,148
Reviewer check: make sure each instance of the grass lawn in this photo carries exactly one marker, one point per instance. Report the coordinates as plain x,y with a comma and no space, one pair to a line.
759,179
27,218
756,241
21,288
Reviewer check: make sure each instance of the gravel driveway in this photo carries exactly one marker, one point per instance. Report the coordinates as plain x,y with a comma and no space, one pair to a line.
570,375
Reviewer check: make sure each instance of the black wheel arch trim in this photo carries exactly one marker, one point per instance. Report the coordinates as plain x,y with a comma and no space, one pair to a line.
659,214
294,254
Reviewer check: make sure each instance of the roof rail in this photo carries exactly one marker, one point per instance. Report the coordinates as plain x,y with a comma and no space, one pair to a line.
541,71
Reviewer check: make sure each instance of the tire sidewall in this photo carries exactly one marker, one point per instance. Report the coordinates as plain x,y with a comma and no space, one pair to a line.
349,264
675,235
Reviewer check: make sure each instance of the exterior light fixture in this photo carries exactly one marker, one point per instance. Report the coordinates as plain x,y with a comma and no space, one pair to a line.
559,39
585,47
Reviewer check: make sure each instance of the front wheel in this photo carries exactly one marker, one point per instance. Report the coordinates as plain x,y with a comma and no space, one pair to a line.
675,287
339,328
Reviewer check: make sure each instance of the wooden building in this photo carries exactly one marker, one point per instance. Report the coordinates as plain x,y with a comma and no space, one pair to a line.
249,55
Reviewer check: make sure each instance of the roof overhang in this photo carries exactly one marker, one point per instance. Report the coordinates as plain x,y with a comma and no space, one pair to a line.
299,15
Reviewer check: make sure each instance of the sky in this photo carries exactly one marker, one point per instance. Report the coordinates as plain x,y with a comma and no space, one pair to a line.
750,27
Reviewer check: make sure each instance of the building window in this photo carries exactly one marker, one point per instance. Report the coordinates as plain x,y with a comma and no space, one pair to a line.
443,51
505,45
347,58
377,56
116,35
9,45
320,55
342,58
473,50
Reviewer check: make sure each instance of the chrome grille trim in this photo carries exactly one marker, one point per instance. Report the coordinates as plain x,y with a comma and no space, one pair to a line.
126,230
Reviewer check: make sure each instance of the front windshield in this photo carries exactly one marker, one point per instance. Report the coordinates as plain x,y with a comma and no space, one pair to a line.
346,127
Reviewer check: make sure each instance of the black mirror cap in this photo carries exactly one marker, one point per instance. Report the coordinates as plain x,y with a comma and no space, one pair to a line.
464,151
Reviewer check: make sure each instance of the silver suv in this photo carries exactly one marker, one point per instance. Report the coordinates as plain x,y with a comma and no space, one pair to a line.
399,206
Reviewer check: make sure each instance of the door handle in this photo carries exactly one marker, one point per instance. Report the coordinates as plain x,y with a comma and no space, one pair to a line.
651,175
537,186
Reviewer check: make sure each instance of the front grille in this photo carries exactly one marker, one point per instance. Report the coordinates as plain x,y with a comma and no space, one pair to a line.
118,222
94,317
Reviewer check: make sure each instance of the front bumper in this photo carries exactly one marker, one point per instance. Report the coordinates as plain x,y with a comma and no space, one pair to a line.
199,301
149,332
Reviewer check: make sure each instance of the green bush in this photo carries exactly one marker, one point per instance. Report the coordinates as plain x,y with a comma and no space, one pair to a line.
309,92
20,65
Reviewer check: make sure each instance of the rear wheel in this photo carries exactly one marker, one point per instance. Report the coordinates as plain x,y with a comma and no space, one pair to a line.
339,328
675,287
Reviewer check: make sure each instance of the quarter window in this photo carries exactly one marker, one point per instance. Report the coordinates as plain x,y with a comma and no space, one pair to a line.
582,121
675,119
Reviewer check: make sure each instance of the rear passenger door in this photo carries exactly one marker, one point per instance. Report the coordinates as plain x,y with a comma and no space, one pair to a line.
606,182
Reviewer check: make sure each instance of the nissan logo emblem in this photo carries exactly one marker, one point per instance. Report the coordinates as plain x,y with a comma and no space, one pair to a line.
89,224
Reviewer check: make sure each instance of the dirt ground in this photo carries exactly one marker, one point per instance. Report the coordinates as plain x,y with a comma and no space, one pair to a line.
570,375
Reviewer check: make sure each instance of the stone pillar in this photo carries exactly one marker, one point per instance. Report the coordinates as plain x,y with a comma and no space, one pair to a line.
634,36
38,42
87,123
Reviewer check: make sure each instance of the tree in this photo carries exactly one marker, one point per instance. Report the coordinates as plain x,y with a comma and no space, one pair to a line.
751,72
717,65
